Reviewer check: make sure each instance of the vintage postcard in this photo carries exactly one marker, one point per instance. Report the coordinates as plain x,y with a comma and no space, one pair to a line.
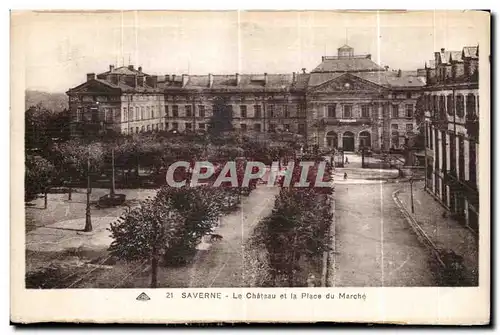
250,166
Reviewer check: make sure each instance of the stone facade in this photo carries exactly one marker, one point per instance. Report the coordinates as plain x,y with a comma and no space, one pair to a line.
347,102
451,107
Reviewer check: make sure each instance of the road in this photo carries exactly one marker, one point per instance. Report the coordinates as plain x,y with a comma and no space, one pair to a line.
375,245
222,264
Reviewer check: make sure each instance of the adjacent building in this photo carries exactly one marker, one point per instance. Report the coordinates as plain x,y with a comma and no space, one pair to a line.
451,105
348,101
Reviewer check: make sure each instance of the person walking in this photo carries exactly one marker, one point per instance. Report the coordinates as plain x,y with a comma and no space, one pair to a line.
346,161
345,175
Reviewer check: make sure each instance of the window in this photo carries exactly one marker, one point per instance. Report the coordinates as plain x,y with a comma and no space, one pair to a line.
161,126
301,110
472,163
108,116
302,128
331,110
394,126
442,107
243,111
409,110
449,104
285,111
175,125
461,158
395,111
365,111
257,127
471,105
148,112
166,125
141,115
201,110
142,129
201,125
409,127
257,109
131,113
271,111
408,95
272,128
189,126
243,127
230,110
460,105
286,127
153,112
136,114
175,111
347,111
78,114
124,113
166,110
136,129
188,110
148,128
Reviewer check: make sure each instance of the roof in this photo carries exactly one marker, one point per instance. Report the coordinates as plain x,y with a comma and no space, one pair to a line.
123,70
471,52
351,64
344,47
247,82
120,85
388,79
455,56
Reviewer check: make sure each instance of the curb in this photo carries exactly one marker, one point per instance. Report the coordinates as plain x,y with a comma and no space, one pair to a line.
422,236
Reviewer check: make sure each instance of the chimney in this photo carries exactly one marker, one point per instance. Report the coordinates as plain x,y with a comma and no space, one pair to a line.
90,76
131,67
265,78
210,80
111,68
185,78
139,68
322,58
167,77
369,56
173,77
303,70
442,49
294,77
237,79
399,73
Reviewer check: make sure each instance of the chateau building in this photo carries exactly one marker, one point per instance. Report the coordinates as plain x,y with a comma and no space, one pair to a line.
347,101
451,107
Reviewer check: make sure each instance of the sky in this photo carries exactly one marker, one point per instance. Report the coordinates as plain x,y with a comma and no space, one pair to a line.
59,48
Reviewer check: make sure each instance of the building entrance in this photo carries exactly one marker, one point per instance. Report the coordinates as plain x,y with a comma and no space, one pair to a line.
348,141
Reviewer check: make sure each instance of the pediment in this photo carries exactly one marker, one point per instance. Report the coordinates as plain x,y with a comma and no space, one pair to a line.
347,84
93,87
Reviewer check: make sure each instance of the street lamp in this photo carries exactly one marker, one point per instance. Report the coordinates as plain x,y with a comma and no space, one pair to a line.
411,195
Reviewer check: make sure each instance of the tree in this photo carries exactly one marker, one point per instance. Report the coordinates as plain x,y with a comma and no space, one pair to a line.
200,208
222,118
296,229
39,174
148,231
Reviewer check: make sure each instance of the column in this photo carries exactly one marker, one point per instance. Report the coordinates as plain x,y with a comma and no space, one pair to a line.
440,151
466,159
457,154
